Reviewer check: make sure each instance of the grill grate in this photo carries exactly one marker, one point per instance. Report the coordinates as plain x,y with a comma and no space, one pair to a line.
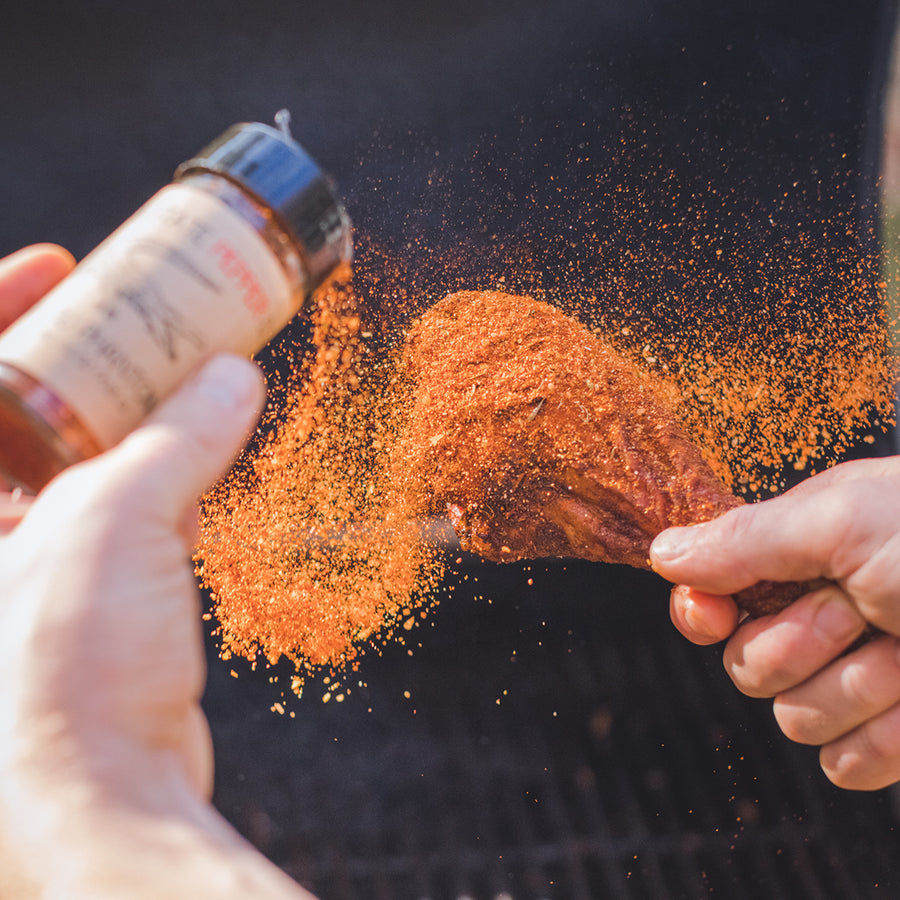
595,754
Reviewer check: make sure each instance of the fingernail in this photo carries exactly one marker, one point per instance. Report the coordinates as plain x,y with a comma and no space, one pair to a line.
836,621
229,381
671,544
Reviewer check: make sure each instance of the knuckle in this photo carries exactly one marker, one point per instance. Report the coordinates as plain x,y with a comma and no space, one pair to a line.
758,666
856,774
868,758
874,586
737,529
737,523
836,769
752,683
842,768
857,687
879,739
801,726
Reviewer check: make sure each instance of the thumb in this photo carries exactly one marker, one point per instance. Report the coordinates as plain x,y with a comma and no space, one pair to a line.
790,538
190,440
27,274
829,527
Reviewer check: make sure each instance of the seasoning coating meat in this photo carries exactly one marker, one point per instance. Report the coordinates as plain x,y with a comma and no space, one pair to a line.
538,439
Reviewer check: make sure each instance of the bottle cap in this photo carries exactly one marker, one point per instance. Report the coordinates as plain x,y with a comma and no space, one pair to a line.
271,166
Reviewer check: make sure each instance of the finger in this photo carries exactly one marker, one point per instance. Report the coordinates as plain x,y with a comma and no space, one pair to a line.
189,441
26,275
796,537
730,553
13,507
875,583
189,527
842,696
197,752
868,758
702,618
772,654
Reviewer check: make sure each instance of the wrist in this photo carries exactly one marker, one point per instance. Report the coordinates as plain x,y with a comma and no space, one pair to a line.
66,834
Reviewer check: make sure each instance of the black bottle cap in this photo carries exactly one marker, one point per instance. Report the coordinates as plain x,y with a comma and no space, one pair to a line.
271,166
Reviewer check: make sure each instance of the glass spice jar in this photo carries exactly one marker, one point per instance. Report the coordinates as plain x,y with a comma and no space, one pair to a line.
219,260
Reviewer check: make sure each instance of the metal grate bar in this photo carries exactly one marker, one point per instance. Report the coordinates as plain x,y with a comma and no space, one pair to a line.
653,779
782,760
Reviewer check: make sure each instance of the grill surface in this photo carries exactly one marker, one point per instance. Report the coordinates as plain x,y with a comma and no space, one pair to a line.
572,748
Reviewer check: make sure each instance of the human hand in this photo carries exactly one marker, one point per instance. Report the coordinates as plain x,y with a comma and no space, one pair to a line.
25,276
105,757
842,525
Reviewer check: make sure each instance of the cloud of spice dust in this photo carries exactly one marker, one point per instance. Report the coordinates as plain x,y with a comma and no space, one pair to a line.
724,260
760,305
307,552
772,327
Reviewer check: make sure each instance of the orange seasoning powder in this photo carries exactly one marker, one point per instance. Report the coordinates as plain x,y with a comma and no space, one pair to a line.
306,550
768,340
539,439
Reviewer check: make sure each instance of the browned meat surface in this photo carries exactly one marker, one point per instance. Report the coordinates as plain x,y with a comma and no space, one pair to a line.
538,439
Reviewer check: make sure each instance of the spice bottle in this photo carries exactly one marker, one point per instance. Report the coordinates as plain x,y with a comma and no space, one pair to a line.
218,260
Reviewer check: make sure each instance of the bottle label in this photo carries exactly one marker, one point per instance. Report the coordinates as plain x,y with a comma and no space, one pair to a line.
184,278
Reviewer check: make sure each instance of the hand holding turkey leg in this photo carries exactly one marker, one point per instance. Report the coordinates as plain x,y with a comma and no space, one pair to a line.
844,526
105,757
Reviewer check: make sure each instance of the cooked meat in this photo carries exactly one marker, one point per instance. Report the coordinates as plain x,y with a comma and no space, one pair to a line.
540,440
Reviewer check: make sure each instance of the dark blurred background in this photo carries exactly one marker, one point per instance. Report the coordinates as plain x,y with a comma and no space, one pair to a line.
558,739
102,99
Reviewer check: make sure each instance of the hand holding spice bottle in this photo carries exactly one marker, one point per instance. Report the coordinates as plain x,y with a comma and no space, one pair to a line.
218,261
105,759
844,525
